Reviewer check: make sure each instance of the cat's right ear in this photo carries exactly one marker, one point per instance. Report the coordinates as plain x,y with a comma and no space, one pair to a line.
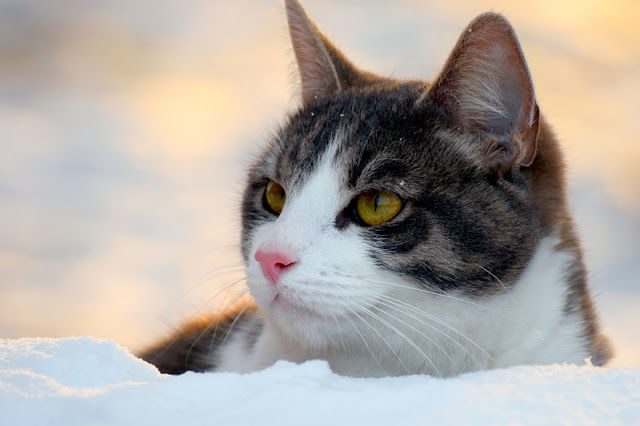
486,89
323,69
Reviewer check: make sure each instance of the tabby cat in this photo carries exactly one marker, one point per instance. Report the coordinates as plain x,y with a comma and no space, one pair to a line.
397,227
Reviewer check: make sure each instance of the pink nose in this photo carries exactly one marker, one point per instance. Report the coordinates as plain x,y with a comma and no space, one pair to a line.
273,263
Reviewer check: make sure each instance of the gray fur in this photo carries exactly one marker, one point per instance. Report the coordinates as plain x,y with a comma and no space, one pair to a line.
480,174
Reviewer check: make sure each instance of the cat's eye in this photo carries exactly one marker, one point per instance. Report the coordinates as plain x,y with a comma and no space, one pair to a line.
376,207
274,197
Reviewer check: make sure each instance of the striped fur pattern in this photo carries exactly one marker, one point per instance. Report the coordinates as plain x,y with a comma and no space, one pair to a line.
480,269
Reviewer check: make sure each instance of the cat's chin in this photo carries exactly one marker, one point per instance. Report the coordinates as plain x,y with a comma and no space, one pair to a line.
290,310
311,326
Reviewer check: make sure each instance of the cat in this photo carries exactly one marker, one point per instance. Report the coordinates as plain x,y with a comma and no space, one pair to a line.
397,227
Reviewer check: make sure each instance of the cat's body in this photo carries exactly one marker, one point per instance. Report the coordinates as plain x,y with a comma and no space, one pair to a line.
425,226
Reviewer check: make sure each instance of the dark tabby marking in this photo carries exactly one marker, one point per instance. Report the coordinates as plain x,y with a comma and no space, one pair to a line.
490,222
482,184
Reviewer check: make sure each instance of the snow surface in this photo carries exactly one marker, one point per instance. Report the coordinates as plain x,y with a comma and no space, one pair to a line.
87,381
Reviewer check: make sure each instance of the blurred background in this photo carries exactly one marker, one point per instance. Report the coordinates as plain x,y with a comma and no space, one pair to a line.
126,127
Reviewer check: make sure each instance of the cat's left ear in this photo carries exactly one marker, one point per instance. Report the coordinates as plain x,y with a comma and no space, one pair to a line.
486,88
323,69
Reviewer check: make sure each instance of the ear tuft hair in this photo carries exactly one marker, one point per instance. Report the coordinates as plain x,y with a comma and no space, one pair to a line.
486,88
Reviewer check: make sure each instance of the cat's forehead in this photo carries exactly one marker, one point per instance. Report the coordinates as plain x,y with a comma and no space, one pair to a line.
374,139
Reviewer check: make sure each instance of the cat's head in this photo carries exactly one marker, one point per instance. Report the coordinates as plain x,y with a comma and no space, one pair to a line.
379,193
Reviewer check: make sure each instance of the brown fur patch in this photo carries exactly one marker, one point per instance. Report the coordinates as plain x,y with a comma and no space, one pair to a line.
193,346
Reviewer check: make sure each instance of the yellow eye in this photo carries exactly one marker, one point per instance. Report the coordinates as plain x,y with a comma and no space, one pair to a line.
275,197
376,207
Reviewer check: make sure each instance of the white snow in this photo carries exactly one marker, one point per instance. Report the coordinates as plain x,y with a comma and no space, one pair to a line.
87,381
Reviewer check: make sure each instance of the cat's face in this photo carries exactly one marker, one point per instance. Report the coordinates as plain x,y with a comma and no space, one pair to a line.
459,217
460,228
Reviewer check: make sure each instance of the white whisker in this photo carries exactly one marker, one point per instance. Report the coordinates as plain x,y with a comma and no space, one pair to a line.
434,293
238,316
226,288
404,336
216,323
383,340
373,355
413,317
437,320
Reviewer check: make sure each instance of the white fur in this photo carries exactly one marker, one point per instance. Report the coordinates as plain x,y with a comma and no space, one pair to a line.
334,288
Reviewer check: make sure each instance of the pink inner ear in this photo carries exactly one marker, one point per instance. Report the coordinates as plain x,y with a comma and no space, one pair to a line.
486,85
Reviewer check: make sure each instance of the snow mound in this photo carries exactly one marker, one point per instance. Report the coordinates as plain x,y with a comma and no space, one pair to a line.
87,381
